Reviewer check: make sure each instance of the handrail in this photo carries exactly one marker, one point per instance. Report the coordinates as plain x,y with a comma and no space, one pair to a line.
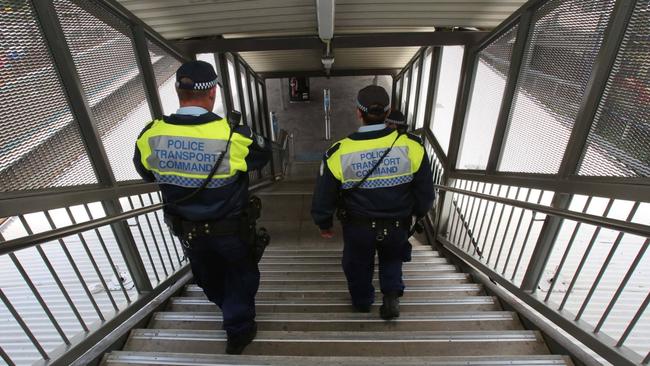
618,225
11,246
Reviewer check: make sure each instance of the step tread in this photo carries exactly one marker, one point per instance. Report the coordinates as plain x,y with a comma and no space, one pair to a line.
352,317
190,359
320,288
453,301
344,336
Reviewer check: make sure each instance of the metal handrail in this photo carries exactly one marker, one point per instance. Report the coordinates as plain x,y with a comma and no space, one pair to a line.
11,246
618,225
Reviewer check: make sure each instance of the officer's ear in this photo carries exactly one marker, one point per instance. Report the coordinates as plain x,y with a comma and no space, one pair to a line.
213,93
359,114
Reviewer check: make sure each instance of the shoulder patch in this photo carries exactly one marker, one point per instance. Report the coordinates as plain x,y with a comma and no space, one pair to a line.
415,138
332,150
244,131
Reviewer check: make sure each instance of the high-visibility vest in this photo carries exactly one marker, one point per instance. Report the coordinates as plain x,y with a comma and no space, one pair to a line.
184,155
354,159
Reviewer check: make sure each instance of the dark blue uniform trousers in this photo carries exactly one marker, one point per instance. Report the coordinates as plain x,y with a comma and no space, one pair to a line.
360,244
223,268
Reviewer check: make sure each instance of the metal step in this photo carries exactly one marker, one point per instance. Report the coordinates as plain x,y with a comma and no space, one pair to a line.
310,270
341,292
472,303
322,253
464,343
410,321
337,260
339,279
336,267
122,358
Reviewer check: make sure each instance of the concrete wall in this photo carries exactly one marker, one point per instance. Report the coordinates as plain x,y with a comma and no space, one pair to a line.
307,119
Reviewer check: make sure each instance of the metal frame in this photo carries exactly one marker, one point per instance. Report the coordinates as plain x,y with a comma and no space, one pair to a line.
333,73
64,64
436,62
127,15
604,345
222,72
463,99
240,91
418,85
407,100
438,38
596,86
146,69
507,101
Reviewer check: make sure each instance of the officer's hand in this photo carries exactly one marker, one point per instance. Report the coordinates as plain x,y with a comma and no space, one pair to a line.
327,233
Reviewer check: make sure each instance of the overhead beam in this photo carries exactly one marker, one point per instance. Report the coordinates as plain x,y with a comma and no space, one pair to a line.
442,38
333,72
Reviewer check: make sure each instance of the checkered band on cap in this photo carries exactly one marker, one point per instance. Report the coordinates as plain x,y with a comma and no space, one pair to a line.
397,122
365,109
199,86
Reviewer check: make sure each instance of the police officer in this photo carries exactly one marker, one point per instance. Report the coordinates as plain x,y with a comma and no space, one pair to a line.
378,178
397,121
208,208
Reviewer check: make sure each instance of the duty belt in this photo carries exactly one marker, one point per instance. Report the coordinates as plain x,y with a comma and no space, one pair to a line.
193,229
380,225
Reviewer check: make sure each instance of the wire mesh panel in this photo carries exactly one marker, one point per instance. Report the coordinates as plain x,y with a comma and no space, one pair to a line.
103,54
40,141
487,93
620,135
164,67
563,43
446,92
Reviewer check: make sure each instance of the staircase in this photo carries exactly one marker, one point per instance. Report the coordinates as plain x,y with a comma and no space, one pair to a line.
305,316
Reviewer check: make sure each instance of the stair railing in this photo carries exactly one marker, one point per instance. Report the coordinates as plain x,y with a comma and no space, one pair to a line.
504,232
74,276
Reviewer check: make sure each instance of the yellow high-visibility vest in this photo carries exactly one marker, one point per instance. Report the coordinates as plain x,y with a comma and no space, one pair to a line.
353,160
184,155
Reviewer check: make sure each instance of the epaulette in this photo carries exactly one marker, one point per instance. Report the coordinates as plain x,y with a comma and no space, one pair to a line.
415,138
332,150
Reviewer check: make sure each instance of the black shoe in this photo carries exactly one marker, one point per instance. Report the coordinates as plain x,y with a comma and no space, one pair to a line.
236,344
390,308
362,308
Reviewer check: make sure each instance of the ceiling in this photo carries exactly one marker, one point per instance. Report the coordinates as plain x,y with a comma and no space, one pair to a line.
197,19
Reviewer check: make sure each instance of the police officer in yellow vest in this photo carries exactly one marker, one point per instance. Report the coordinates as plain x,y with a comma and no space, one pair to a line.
208,209
377,178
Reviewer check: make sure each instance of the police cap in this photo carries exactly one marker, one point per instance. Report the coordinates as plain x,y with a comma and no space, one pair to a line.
196,75
373,99
396,117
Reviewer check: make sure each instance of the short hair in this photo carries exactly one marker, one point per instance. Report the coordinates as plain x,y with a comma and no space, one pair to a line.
375,115
191,94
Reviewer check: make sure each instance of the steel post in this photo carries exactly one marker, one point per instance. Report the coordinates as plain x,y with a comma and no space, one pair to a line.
146,70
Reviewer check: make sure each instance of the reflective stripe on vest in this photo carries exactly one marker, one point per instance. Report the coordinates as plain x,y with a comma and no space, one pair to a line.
355,158
184,155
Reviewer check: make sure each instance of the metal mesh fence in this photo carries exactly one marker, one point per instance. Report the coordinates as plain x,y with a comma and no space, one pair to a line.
40,140
164,67
483,111
563,43
103,54
620,135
